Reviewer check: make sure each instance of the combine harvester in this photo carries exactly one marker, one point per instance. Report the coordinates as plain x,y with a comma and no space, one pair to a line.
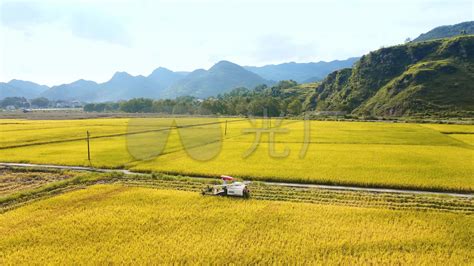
234,189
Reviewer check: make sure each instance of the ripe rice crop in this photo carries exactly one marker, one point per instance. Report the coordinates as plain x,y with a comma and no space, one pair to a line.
420,156
117,224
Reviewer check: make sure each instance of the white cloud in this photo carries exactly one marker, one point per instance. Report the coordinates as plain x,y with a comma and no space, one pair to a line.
82,20
277,48
56,41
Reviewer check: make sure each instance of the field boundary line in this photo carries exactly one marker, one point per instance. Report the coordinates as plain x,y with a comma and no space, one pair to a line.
282,184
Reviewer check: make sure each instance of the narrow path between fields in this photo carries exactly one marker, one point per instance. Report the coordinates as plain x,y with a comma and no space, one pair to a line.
300,185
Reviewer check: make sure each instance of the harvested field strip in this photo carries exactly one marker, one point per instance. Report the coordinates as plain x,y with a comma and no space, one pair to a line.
323,196
259,191
12,182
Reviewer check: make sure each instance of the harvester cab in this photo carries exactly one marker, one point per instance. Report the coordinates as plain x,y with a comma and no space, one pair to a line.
229,187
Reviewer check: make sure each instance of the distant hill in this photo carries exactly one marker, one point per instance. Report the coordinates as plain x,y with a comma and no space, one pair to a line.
161,83
81,90
20,88
301,72
164,78
121,86
447,31
124,86
416,78
222,77
164,83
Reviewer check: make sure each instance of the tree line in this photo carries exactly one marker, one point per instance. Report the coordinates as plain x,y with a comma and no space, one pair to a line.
275,100
22,102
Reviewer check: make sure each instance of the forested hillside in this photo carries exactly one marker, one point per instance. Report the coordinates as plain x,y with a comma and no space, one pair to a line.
426,77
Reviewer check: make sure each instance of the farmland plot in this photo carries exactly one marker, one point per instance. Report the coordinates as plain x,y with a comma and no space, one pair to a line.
420,156
119,224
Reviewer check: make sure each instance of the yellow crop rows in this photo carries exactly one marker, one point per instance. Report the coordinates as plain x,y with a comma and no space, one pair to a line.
118,224
357,153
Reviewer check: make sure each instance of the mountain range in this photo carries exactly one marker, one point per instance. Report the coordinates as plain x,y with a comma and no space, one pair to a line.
222,77
164,83
301,72
20,88
432,74
447,31
416,78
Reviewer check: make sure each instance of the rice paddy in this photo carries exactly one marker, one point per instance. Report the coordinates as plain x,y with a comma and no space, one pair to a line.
402,155
106,224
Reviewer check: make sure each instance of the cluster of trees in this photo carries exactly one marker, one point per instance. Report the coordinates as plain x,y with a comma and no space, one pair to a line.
275,100
16,102
102,107
22,102
41,102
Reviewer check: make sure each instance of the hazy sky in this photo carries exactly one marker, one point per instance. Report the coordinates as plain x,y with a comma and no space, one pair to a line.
54,42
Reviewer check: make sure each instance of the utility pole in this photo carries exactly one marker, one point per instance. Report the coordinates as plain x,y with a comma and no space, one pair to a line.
225,131
88,147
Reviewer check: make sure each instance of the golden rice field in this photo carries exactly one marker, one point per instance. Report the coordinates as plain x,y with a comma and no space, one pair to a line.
422,156
119,224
